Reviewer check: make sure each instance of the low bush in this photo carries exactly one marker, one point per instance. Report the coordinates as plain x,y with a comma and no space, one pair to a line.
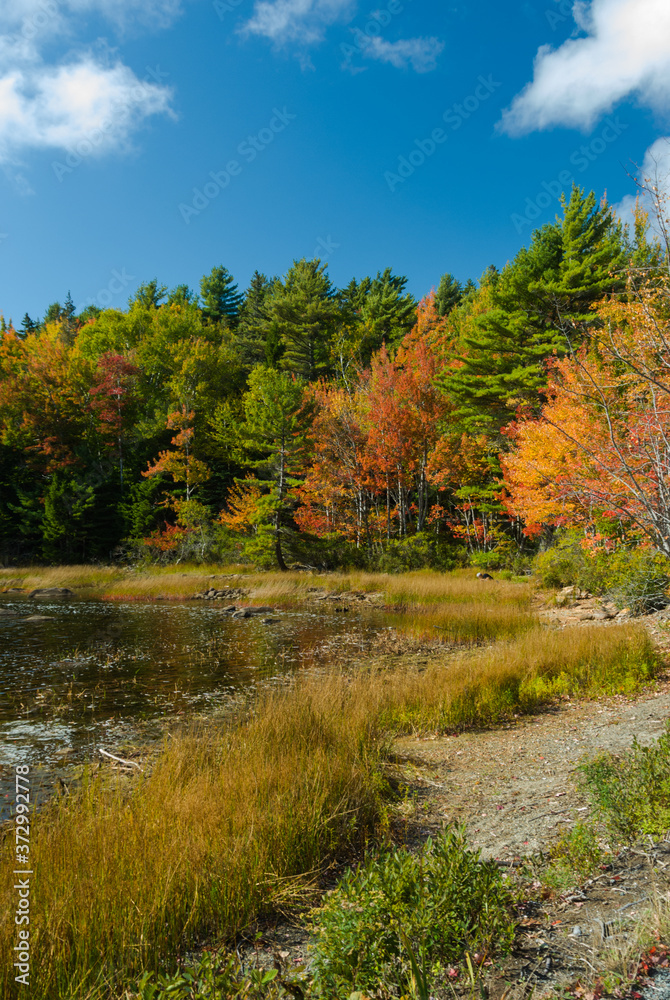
631,790
576,856
429,908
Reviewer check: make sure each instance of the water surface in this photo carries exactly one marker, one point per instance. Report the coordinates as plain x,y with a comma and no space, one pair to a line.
103,674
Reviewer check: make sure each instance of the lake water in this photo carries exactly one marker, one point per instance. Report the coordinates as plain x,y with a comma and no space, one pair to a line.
104,674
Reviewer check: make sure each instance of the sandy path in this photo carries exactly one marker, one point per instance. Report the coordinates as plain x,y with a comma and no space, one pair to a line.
516,788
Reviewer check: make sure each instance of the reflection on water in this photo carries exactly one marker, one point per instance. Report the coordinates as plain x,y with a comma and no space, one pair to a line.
95,674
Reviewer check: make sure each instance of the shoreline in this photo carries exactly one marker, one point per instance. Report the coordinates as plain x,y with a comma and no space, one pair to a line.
301,780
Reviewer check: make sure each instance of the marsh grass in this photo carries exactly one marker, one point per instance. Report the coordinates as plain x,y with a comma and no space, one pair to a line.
518,676
230,823
227,826
406,589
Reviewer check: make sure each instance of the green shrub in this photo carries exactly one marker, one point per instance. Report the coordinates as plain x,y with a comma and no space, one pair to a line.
400,908
576,855
218,977
420,551
635,578
505,556
631,791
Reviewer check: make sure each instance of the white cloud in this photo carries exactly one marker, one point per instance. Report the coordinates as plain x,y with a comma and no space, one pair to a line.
654,173
305,21
626,53
302,21
82,100
420,53
79,104
37,16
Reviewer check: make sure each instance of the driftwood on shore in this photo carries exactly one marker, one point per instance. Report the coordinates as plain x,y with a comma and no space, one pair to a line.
129,763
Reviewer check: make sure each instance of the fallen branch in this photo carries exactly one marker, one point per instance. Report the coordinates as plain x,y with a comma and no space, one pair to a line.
130,763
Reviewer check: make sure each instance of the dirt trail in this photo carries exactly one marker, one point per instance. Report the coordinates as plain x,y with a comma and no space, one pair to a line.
515,788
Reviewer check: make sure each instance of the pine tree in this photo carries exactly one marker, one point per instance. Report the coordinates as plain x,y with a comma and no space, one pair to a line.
535,308
28,326
448,295
272,440
180,295
306,314
221,299
53,314
253,328
68,322
149,295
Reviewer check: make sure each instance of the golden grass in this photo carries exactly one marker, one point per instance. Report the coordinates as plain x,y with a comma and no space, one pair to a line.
406,590
518,676
228,822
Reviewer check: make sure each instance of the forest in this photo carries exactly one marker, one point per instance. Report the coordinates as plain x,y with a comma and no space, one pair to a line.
297,423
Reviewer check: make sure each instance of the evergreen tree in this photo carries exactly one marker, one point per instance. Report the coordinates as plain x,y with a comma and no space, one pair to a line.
27,326
382,306
448,295
149,295
221,299
535,308
254,329
181,295
273,440
68,322
89,313
53,314
304,312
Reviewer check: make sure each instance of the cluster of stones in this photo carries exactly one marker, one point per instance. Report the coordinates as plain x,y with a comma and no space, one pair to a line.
586,608
213,594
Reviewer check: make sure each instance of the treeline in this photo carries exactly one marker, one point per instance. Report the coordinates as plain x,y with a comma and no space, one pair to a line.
301,422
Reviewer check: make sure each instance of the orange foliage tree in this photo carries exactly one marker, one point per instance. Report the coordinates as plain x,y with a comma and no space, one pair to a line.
372,441
601,447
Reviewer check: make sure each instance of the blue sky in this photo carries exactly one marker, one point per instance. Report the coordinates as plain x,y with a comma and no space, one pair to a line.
159,138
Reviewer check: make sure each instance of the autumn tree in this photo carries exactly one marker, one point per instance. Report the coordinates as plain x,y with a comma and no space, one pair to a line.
114,400
601,446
